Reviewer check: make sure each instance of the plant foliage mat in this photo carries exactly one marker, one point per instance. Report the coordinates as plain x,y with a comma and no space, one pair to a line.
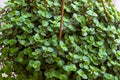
89,48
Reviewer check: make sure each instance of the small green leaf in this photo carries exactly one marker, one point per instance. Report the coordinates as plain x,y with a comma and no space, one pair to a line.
75,7
71,38
36,37
29,24
17,13
27,50
44,23
48,15
81,73
35,53
31,62
56,3
46,43
19,59
84,76
70,67
6,42
41,13
91,13
63,46
27,29
12,41
60,63
13,51
38,51
49,49
22,42
44,48
36,64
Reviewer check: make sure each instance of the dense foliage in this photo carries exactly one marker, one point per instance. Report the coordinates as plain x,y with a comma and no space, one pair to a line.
89,48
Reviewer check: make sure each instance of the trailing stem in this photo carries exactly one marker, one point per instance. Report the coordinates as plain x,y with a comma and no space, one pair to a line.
61,21
105,9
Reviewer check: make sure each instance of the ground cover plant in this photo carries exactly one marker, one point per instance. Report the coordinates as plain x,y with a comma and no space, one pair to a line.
88,50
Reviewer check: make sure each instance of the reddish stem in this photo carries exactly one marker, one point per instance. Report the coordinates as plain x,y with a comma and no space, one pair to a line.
61,21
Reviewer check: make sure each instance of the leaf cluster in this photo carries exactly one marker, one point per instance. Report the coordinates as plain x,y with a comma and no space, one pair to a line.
89,49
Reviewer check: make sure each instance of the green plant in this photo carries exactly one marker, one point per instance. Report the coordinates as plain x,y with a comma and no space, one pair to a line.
89,48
